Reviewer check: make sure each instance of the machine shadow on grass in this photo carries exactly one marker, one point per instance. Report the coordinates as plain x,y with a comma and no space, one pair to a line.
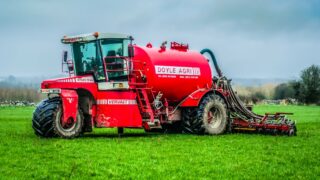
156,134
124,135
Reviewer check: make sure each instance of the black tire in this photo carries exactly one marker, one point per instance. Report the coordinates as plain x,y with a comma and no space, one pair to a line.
173,128
168,128
75,129
189,123
292,131
43,116
197,120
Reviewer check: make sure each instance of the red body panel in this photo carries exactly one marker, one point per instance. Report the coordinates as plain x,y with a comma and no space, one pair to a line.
75,82
175,73
117,109
70,105
111,108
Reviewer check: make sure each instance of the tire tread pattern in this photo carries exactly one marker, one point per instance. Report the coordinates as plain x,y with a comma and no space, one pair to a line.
192,118
43,117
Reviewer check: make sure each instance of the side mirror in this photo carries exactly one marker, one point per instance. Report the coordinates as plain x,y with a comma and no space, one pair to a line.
70,65
65,56
130,51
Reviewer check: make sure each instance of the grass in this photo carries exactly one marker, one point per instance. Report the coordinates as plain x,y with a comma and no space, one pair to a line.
138,155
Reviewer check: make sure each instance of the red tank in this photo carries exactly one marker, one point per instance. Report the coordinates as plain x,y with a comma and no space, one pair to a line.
176,71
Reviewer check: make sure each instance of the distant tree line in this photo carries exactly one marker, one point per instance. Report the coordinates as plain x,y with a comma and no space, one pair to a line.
14,89
305,90
255,94
19,94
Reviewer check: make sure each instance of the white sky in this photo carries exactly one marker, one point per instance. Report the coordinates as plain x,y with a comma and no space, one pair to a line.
251,39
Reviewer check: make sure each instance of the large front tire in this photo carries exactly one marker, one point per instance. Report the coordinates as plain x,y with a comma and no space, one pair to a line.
47,117
210,117
43,116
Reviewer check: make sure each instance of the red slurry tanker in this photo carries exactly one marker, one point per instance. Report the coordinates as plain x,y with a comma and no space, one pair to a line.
113,83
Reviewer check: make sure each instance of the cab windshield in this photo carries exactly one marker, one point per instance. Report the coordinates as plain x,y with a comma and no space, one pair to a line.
88,59
114,51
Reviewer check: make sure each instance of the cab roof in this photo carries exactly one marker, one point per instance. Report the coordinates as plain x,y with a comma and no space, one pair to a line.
93,36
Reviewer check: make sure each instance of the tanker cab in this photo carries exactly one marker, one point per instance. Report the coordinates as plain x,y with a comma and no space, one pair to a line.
106,59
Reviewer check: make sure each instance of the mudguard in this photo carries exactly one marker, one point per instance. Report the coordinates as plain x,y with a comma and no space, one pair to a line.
194,99
69,104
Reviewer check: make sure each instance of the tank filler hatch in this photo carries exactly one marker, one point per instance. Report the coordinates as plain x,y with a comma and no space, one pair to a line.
179,46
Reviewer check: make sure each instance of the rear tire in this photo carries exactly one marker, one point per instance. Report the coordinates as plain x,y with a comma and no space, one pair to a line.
173,128
43,116
210,117
190,125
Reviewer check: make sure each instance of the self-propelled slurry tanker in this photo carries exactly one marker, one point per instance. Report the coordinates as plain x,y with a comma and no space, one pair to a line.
113,83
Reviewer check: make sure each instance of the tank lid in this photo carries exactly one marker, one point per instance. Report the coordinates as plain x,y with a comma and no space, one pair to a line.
179,46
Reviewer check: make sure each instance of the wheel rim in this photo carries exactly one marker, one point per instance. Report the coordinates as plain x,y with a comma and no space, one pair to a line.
291,132
214,118
69,125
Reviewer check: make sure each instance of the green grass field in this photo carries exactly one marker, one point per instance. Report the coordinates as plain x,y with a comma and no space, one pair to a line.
138,155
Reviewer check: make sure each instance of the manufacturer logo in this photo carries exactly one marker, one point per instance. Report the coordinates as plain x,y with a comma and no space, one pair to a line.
70,100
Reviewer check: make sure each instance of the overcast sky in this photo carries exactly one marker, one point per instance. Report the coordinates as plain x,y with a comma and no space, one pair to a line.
251,38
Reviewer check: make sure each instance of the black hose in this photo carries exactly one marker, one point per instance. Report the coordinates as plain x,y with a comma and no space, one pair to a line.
213,58
233,99
239,106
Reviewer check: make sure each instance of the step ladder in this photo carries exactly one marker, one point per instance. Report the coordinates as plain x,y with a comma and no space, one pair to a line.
144,105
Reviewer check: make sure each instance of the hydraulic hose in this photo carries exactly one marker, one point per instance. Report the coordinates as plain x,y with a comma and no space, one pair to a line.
213,58
233,99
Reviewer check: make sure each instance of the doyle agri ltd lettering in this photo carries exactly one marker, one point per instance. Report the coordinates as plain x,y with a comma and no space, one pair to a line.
178,70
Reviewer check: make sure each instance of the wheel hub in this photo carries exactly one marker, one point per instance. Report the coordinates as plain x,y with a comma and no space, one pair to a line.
69,124
213,118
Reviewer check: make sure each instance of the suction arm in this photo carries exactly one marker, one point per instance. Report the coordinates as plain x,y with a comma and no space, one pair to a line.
213,58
